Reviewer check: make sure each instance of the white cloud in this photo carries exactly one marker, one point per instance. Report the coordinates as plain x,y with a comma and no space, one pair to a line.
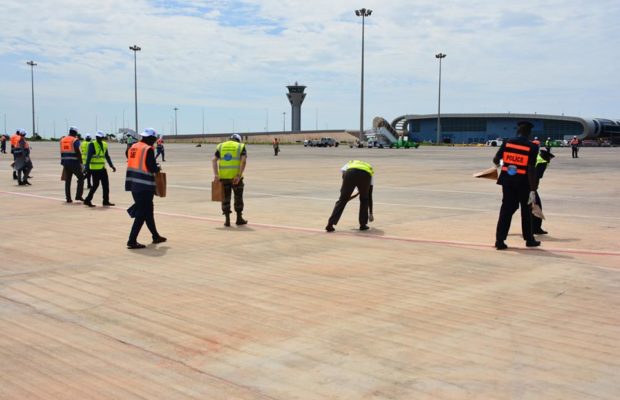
233,58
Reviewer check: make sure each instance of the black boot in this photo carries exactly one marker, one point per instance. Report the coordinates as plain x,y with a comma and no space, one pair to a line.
227,222
240,220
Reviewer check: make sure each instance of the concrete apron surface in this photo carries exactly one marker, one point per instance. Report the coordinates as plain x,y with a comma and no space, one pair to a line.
421,306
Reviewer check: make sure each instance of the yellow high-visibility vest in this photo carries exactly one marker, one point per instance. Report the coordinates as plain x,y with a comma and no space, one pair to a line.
229,164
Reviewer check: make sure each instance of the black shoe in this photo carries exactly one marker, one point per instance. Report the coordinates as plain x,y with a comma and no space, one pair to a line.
79,199
25,182
540,232
532,243
69,201
330,228
108,204
20,183
500,245
364,228
133,246
89,204
227,221
159,239
240,220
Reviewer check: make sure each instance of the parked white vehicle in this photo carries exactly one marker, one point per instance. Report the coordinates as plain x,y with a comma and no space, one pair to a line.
495,142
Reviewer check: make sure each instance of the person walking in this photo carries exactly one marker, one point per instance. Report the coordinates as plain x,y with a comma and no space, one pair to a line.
84,151
23,164
15,138
160,148
574,144
548,144
358,174
519,184
130,140
140,181
276,146
97,155
542,162
70,158
3,144
228,165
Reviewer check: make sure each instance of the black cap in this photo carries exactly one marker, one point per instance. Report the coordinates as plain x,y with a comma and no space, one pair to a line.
525,124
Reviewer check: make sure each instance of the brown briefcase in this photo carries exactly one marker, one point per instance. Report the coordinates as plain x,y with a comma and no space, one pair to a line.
160,184
217,190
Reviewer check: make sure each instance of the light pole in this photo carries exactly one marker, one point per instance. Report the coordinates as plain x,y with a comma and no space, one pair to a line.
135,49
176,132
440,56
362,12
32,64
284,122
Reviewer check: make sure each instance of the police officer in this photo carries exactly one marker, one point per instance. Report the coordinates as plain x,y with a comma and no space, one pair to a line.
542,162
140,180
70,158
97,155
358,174
228,165
84,150
519,184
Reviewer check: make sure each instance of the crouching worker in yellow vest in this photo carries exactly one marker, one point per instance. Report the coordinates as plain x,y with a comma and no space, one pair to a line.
95,167
358,174
228,166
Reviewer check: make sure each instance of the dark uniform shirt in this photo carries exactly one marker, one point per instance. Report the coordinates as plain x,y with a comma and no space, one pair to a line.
519,179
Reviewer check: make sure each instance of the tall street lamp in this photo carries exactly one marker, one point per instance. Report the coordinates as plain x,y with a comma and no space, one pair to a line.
439,56
176,132
135,49
362,12
32,64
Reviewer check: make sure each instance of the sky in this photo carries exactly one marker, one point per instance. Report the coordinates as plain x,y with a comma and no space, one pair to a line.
228,62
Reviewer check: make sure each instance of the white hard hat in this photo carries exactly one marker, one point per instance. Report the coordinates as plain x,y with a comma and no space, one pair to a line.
236,136
100,134
149,132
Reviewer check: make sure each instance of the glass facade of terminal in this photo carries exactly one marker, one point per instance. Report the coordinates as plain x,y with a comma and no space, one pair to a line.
479,129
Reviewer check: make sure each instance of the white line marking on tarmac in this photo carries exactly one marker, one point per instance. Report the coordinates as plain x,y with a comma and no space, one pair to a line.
358,235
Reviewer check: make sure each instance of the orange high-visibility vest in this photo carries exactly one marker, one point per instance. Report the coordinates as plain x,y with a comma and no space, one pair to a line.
67,151
138,176
15,140
516,155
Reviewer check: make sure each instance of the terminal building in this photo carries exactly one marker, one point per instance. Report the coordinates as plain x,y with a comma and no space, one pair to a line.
478,128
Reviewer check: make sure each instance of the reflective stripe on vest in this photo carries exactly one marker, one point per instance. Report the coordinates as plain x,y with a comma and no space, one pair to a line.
137,172
67,152
517,156
84,150
364,166
229,164
97,161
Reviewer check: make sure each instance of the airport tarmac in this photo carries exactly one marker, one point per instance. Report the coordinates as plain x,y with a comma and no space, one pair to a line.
421,306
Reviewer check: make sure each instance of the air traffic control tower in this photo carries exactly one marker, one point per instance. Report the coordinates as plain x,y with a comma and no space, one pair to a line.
296,96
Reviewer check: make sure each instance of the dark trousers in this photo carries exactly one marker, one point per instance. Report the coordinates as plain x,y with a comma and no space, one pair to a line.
160,151
353,178
229,188
575,151
142,212
514,196
3,147
88,179
76,170
99,175
537,222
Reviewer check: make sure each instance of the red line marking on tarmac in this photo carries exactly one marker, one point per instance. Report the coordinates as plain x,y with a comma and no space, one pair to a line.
369,235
